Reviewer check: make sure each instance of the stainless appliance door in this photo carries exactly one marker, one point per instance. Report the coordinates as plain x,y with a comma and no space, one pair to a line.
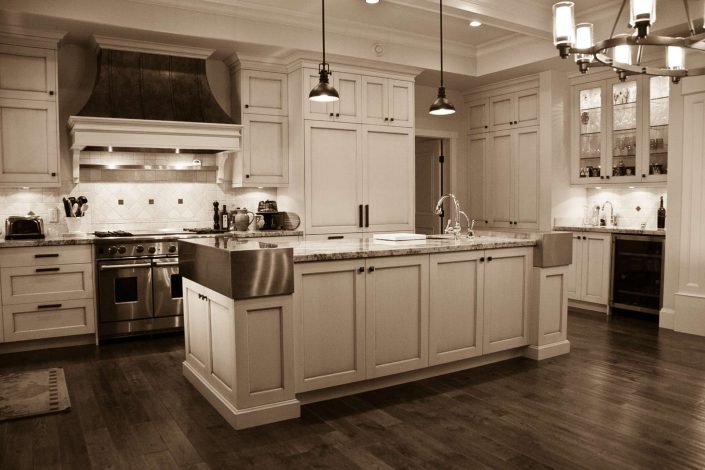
125,290
168,292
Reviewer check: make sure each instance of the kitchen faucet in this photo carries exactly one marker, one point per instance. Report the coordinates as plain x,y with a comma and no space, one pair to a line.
455,228
612,220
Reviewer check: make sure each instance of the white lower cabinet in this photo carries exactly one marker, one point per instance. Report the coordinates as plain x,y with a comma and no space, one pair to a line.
241,349
31,321
506,302
457,303
589,275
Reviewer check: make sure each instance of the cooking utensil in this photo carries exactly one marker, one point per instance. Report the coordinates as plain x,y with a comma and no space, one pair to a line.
74,210
84,209
67,207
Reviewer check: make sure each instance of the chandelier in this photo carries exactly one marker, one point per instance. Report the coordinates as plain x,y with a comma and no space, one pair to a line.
617,51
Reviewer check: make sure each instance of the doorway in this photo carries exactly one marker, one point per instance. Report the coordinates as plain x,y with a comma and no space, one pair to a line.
433,170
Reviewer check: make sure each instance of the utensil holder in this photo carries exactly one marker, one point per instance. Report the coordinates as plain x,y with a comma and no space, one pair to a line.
76,227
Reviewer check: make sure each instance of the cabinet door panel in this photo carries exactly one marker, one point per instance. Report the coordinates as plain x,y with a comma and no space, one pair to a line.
375,100
527,108
501,112
28,142
478,116
455,317
349,107
526,164
477,181
499,187
506,305
266,149
596,268
24,322
334,174
197,330
27,73
389,178
574,270
315,109
329,329
264,93
401,103
397,315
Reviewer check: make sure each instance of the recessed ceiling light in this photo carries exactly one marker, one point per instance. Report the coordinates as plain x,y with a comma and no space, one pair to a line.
632,187
371,2
598,187
475,23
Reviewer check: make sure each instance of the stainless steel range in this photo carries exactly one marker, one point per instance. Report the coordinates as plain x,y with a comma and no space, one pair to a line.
139,285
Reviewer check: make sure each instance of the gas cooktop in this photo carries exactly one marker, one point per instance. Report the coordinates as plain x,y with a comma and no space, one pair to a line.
155,233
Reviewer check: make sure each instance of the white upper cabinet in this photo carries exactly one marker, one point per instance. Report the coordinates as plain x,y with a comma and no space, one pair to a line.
263,92
347,109
477,158
387,102
265,151
512,110
27,73
478,116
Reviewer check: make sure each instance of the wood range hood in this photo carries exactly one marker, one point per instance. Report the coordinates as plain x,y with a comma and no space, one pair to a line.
151,98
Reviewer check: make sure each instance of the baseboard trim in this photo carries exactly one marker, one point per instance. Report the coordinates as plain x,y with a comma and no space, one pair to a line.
667,319
588,306
47,343
547,351
245,418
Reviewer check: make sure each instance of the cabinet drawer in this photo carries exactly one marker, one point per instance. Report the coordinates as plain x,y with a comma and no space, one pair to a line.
45,255
48,320
46,284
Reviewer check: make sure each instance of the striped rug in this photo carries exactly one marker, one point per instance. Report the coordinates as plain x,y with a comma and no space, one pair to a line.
33,393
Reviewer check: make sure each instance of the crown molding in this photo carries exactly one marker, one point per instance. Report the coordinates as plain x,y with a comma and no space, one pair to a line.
30,37
134,45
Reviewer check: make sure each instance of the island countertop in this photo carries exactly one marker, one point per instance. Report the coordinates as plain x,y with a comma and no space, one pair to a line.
619,230
329,250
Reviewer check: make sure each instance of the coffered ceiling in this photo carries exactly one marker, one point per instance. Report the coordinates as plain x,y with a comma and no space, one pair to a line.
515,35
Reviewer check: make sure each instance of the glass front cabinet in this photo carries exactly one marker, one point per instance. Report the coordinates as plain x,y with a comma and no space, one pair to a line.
620,131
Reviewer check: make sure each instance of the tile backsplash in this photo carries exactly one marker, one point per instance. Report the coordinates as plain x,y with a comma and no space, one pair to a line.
632,206
135,199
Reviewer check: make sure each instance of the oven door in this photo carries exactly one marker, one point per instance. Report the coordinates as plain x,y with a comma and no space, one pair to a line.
125,290
168,292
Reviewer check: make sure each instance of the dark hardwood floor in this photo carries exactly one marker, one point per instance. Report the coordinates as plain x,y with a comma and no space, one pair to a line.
627,396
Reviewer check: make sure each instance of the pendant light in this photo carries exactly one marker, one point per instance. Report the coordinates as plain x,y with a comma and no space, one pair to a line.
324,91
441,106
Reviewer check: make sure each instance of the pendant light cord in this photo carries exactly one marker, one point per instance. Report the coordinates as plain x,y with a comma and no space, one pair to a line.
323,29
441,15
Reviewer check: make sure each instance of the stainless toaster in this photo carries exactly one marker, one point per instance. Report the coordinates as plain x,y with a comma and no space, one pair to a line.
28,227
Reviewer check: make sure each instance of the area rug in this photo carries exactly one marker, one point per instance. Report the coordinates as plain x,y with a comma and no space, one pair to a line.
33,393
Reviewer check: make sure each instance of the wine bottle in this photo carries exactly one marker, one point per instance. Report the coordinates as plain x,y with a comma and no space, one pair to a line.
224,218
661,216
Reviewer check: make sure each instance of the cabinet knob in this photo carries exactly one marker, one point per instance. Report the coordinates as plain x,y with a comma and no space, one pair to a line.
486,127
386,119
602,177
584,238
337,114
391,119
51,92
247,106
53,173
482,259
331,114
608,176
489,258
487,221
247,176
371,269
361,269
643,175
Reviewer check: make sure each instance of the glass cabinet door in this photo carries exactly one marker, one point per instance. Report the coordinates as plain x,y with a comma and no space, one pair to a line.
625,122
657,165
589,143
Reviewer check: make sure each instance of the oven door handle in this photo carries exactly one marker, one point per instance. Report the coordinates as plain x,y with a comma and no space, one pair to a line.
111,267
164,265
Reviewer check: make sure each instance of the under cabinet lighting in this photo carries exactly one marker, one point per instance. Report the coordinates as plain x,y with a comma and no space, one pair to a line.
598,187
110,149
372,2
177,151
475,23
632,187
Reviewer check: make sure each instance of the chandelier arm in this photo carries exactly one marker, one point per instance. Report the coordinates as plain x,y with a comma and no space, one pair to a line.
690,20
616,20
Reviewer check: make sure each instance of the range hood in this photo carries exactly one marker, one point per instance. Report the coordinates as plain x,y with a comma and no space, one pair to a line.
151,98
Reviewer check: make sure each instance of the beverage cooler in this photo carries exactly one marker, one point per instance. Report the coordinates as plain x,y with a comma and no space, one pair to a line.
637,273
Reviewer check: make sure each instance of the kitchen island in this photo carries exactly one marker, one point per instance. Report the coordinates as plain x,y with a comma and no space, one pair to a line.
358,315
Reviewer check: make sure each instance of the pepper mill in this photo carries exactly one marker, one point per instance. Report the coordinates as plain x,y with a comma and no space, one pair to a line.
216,216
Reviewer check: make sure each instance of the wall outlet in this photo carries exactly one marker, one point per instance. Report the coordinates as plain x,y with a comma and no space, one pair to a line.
54,215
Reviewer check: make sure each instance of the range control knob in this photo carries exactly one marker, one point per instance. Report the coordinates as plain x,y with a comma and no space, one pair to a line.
139,248
152,250
172,248
122,250
112,250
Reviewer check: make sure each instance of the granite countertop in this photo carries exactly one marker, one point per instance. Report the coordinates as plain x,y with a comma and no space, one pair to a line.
328,250
90,239
624,230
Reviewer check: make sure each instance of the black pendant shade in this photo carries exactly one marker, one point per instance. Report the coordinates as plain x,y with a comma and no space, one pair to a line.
324,91
441,106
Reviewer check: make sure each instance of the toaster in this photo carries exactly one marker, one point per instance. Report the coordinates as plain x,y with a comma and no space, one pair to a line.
29,227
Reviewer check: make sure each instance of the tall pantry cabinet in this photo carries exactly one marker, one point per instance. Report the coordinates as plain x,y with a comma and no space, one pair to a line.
509,153
352,161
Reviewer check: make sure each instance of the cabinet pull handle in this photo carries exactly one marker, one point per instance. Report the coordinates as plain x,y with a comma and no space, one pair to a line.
367,215
489,258
46,255
360,216
49,306
46,270
361,269
371,269
335,237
